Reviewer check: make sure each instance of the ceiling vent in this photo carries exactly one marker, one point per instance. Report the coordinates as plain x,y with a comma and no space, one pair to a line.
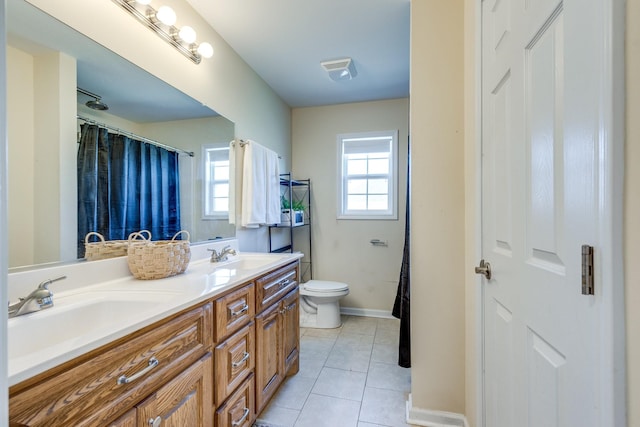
340,69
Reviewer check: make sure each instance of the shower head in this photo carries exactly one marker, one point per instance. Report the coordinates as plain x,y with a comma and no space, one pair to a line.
94,104
97,105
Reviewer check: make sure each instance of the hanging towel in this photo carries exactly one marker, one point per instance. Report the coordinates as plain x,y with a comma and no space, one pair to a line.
254,187
235,152
273,188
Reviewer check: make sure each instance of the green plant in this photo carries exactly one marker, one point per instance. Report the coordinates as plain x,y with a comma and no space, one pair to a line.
297,205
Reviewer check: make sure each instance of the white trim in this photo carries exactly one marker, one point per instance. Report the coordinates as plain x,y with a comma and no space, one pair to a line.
367,312
205,183
4,252
392,212
429,418
479,284
611,181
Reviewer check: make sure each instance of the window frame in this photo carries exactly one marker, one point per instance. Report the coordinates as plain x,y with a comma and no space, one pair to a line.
206,182
392,212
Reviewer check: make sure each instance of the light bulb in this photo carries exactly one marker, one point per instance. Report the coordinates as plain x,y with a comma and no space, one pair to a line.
187,34
143,2
166,15
206,50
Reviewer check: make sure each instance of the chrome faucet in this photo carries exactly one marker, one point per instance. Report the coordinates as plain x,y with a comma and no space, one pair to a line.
37,300
222,256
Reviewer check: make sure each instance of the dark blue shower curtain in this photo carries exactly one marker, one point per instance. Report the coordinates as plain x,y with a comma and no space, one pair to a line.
125,185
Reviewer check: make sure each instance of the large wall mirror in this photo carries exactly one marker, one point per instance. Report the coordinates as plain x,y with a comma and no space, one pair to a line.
47,61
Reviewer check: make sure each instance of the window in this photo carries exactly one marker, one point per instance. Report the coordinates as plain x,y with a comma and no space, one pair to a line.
367,165
216,181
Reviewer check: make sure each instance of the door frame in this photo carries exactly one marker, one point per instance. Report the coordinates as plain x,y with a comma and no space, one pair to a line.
609,262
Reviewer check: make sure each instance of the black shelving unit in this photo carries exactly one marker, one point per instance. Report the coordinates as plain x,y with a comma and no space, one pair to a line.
295,191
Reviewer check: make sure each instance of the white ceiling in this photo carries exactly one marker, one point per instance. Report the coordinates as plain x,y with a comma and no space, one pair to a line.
284,41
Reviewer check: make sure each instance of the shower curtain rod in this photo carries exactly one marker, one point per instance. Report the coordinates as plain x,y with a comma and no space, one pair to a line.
134,136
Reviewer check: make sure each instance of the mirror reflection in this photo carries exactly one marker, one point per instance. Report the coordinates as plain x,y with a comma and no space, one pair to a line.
56,75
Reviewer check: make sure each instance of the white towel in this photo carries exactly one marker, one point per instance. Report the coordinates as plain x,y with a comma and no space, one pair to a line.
233,177
255,180
273,188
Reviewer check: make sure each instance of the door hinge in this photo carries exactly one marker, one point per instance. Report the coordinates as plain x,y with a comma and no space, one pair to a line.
587,270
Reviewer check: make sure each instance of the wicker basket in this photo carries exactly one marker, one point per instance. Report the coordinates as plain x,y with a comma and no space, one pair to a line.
104,249
158,259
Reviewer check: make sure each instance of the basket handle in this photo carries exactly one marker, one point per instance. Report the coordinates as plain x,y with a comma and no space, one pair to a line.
140,235
91,233
179,233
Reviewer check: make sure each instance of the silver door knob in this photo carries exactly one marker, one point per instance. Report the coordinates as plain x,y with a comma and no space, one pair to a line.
155,422
485,269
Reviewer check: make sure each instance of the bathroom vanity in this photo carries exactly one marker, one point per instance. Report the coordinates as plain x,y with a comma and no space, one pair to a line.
211,355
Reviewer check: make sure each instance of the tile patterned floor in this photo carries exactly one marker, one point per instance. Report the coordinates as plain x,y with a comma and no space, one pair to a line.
348,377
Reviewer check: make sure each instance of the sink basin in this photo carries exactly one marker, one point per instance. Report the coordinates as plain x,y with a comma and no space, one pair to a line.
78,317
246,262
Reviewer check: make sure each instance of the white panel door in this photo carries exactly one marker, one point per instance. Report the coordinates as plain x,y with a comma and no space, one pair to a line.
541,142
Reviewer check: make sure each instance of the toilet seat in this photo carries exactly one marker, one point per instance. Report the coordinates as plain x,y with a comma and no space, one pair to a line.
324,286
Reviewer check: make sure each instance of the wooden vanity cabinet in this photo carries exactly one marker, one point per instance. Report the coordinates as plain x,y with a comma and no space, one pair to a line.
277,333
217,362
101,385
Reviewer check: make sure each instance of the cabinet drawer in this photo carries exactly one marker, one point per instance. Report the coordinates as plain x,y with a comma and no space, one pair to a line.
273,286
234,310
184,401
103,384
235,360
239,409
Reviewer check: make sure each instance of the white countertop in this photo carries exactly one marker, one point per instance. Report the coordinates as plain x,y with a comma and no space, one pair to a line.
87,317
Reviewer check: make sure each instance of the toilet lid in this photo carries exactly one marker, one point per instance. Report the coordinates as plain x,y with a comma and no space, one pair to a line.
325,286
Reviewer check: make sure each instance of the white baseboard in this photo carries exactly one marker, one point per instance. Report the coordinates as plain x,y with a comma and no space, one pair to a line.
351,311
426,417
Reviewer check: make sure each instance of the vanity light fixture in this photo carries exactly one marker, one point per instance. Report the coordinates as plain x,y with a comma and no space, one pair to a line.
162,21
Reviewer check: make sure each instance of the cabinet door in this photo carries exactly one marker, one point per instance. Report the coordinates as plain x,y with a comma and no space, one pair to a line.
291,331
127,420
186,400
269,354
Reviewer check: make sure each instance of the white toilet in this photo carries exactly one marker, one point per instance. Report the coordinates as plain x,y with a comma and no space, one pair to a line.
320,302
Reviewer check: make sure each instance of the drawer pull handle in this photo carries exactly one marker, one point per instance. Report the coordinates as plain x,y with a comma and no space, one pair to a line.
241,311
283,283
241,361
241,420
155,422
153,362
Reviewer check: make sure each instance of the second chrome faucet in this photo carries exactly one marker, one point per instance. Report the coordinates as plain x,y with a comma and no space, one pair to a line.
223,255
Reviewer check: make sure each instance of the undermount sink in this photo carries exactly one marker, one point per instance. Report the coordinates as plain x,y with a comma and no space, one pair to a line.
245,262
78,317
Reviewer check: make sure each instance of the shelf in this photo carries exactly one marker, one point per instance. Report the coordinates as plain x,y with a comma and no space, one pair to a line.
288,226
294,183
282,249
294,192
